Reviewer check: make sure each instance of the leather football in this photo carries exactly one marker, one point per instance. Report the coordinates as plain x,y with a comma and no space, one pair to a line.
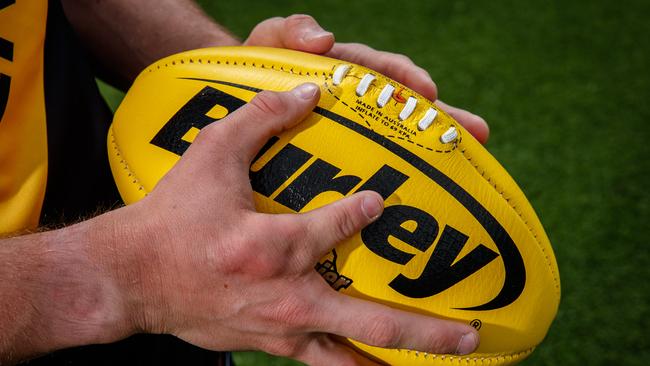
458,239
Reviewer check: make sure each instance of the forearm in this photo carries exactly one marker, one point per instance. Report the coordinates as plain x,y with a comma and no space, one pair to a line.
61,289
126,36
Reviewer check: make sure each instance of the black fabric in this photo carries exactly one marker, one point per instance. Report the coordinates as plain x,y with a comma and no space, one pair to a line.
80,183
79,180
140,350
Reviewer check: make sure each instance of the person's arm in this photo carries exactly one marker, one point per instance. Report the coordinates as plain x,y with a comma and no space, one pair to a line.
197,261
126,36
65,288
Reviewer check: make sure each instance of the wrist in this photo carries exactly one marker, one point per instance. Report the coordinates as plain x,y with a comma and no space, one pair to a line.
67,288
131,262
89,282
80,258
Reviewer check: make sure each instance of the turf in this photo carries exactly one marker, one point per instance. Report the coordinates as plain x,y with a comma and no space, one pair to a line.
565,87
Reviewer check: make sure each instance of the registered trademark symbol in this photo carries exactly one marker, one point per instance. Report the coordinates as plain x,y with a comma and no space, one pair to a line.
476,323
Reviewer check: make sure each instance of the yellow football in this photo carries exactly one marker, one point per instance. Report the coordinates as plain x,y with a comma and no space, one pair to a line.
458,239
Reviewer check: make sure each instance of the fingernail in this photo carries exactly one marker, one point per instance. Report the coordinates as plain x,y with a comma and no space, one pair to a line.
305,91
315,34
467,344
372,206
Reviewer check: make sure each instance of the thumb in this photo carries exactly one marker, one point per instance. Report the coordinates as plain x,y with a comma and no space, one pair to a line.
267,114
298,32
327,226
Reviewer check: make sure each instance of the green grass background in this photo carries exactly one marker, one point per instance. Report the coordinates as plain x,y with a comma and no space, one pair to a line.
565,88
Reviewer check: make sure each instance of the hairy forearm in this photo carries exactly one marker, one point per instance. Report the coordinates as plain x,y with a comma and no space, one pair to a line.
126,35
61,289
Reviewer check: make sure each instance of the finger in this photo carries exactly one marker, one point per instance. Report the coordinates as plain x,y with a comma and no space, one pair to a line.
298,32
403,70
395,66
266,115
472,123
322,350
329,225
379,325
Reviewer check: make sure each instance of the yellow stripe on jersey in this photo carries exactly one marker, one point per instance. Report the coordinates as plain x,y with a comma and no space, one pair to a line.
23,138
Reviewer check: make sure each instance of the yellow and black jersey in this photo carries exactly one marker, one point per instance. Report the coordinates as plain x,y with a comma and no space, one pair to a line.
53,161
53,121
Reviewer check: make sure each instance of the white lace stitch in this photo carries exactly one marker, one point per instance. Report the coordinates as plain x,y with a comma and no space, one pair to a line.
450,135
427,120
386,93
364,84
340,73
408,109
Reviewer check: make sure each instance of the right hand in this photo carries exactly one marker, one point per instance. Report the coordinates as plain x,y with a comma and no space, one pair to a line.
303,33
222,276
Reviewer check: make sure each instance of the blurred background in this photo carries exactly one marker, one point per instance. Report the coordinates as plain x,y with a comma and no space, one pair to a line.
565,87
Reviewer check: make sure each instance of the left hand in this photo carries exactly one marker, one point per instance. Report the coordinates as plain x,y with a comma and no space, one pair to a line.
303,33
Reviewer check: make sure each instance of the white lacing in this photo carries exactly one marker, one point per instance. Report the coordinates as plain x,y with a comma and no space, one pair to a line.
364,84
427,120
340,73
409,107
450,135
384,97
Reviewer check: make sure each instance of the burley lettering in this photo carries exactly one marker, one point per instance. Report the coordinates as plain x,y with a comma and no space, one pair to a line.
442,270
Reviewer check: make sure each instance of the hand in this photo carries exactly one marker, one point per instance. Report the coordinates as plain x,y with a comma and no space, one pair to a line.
222,276
303,33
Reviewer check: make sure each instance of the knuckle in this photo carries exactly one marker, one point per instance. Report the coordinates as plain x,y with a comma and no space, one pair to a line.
344,223
262,264
293,233
383,331
238,258
251,255
265,24
398,65
293,312
359,51
273,19
208,134
443,342
360,47
299,18
284,347
404,59
443,339
292,242
435,89
268,103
